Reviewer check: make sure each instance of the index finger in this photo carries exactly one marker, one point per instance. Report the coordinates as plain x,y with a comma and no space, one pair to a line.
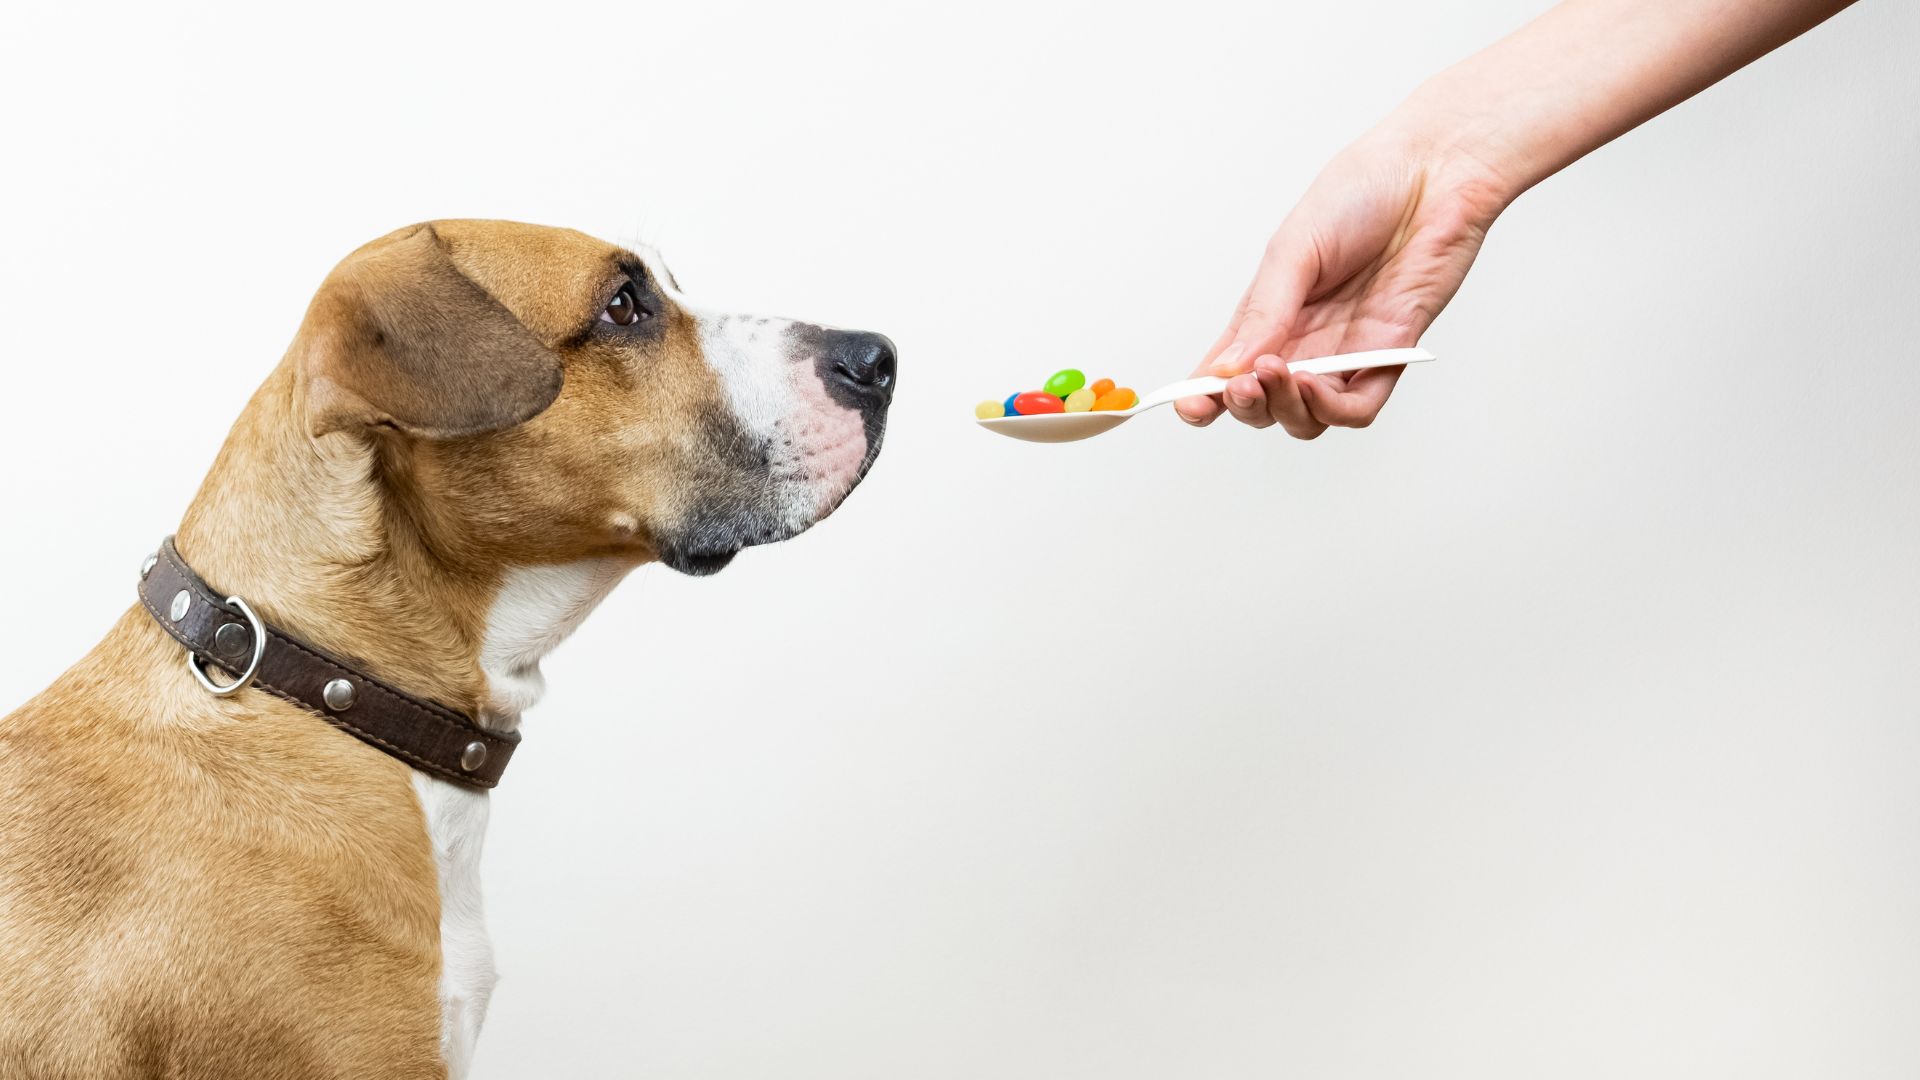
1288,269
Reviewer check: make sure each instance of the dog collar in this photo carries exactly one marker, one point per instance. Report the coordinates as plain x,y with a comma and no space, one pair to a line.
225,632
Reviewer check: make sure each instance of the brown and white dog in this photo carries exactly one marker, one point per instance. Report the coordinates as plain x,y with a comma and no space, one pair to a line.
479,429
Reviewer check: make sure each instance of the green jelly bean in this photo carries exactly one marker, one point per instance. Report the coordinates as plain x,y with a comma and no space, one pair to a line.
1065,382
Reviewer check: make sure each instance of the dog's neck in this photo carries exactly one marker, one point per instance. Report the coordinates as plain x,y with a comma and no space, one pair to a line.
315,535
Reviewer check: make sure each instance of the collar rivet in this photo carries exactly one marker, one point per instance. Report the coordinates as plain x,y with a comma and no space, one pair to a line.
231,641
474,756
338,695
182,603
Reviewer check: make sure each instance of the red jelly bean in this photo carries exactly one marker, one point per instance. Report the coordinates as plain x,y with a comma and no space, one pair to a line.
1034,402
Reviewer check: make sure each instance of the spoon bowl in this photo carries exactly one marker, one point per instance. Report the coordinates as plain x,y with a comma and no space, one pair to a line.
1074,426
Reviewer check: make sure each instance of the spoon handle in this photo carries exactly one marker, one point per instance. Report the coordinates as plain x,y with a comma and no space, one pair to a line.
1359,361
1205,384
1319,365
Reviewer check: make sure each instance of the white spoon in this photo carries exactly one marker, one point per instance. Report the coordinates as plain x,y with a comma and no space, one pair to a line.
1074,426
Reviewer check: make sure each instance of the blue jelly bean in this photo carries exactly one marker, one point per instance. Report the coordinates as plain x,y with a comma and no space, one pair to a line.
1011,411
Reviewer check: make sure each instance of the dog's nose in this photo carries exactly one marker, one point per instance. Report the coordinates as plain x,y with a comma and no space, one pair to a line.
862,360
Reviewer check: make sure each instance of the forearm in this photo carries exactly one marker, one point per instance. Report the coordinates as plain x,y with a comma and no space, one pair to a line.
1586,72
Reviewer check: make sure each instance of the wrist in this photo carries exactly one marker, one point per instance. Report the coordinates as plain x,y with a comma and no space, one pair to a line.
1450,157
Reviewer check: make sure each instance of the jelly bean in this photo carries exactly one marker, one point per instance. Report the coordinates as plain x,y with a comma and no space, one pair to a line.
1062,383
989,410
1035,402
1008,405
1122,398
1101,389
1080,400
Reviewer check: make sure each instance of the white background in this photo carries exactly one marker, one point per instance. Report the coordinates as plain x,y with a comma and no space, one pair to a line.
1562,724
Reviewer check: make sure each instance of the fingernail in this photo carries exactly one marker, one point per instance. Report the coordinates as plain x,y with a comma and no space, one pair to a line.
1226,363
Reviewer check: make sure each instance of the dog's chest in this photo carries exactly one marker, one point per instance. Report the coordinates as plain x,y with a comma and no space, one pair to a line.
536,608
457,825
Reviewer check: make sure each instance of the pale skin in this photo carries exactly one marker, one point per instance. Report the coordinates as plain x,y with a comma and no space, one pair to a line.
1384,236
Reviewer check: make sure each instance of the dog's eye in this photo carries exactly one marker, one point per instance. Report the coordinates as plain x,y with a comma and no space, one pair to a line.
623,309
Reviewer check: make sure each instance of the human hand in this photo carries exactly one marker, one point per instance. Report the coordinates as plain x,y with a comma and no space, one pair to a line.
1367,260
1381,240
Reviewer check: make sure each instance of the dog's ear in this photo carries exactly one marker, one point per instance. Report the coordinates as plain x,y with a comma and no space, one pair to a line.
399,337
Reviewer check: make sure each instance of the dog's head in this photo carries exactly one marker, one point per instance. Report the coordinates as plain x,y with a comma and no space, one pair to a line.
544,396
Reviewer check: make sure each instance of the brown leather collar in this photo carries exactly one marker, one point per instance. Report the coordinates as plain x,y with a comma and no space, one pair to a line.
224,631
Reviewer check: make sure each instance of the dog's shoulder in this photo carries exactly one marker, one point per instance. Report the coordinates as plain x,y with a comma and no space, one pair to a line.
202,886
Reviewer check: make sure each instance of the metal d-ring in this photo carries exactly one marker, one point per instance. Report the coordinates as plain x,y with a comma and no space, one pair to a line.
253,666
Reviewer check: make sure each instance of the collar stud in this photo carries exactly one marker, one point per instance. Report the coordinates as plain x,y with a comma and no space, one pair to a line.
231,641
338,695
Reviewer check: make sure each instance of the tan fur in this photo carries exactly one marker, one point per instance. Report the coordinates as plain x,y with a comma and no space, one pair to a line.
204,887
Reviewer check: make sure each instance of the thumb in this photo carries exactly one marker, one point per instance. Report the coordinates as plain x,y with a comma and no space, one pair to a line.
1287,272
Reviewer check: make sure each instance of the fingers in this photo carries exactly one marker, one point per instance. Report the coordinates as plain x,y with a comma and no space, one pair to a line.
1284,404
1198,411
1303,405
1246,399
1354,405
1266,396
1286,274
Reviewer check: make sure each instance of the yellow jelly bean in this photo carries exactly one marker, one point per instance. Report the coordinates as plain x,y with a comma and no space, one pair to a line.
1080,400
989,410
1114,400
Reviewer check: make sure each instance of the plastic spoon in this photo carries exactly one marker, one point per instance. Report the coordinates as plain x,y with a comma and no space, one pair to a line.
1074,426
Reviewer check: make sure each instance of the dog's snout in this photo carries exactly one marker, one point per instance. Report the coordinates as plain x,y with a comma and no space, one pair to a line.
863,360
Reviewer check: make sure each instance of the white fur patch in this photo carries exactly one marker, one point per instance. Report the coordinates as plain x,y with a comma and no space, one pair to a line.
535,609
752,354
457,824
755,360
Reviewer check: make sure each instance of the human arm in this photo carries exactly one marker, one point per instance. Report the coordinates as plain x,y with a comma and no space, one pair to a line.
1382,239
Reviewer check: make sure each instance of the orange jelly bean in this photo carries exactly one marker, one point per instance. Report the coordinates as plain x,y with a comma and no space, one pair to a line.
1101,389
1114,400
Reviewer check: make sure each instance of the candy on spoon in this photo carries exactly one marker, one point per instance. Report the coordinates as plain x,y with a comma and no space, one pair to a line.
1036,402
1064,382
1037,416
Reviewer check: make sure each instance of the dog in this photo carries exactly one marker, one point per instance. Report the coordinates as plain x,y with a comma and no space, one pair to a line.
214,861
